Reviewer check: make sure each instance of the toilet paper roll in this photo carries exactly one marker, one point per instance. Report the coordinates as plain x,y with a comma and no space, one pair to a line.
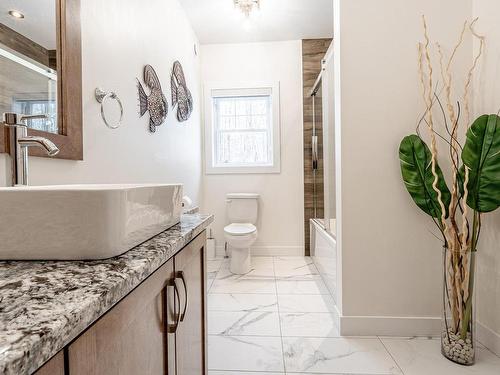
186,202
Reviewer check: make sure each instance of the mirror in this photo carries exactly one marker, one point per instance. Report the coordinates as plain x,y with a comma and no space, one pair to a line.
28,61
40,70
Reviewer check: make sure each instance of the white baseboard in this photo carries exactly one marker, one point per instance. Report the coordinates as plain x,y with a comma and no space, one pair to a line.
488,338
336,320
409,327
270,251
389,326
277,251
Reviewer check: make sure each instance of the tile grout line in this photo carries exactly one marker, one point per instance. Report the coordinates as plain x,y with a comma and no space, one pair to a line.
216,272
390,354
279,323
279,317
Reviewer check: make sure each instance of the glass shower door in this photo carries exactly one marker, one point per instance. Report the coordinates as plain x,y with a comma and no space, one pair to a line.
324,225
323,150
317,153
328,128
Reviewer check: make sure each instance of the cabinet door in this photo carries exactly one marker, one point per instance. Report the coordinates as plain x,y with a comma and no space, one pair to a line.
132,337
55,366
191,335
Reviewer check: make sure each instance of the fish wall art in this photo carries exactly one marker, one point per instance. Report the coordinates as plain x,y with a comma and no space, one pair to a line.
181,96
155,103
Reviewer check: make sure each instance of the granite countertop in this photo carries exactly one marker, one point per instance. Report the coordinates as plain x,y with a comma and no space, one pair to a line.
44,305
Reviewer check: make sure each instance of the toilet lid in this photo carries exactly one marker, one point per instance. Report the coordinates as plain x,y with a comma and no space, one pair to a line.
240,229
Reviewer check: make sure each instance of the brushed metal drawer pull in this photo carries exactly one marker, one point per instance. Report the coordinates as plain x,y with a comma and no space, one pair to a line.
172,328
180,275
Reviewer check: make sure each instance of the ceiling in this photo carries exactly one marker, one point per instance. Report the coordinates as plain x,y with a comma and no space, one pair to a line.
218,21
39,23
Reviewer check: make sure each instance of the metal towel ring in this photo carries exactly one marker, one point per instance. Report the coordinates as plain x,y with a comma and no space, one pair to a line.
101,96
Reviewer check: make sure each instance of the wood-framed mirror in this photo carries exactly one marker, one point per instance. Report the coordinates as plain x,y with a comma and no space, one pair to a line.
41,71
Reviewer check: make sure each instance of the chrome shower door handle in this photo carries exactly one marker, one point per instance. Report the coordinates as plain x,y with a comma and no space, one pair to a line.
314,143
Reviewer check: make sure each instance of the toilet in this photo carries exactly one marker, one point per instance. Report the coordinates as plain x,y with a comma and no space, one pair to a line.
241,233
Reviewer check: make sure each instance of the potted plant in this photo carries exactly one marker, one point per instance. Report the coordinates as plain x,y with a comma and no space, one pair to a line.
457,205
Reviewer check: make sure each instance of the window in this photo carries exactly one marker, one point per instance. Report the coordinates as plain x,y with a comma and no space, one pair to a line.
37,107
242,130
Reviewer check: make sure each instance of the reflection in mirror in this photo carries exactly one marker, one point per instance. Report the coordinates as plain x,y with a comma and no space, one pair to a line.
28,60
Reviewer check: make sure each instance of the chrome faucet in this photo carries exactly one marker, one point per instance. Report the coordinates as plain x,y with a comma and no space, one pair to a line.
20,141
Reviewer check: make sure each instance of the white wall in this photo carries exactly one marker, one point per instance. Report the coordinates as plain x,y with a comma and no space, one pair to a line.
282,203
118,38
390,260
487,100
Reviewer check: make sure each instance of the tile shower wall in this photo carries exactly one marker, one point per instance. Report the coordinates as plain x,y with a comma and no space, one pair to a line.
313,51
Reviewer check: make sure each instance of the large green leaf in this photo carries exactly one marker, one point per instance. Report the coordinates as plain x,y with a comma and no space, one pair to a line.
481,154
416,169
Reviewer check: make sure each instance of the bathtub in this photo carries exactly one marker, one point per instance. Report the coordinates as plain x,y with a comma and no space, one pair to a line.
324,253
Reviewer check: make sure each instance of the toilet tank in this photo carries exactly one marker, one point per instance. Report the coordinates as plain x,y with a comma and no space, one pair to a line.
242,207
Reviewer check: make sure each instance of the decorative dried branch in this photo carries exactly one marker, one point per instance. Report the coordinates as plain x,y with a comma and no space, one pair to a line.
454,155
427,96
459,240
467,117
465,227
471,70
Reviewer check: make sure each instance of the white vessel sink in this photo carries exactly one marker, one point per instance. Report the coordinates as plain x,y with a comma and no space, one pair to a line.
83,222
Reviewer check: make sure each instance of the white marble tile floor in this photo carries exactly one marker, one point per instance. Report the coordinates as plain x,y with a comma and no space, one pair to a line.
280,320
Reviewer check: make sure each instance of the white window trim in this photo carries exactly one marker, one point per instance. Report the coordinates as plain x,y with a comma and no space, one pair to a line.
209,88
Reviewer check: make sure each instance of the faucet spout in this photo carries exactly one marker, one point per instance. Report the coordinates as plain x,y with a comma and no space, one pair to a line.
20,142
40,142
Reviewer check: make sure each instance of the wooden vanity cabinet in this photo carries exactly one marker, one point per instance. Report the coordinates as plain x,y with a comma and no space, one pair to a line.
130,338
190,336
53,367
158,329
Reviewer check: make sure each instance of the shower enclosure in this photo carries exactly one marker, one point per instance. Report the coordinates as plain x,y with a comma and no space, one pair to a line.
323,148
323,226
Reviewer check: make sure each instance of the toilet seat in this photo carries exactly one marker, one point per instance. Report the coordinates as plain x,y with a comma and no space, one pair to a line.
240,229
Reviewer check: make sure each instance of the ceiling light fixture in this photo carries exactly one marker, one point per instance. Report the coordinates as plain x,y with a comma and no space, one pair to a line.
247,6
16,14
